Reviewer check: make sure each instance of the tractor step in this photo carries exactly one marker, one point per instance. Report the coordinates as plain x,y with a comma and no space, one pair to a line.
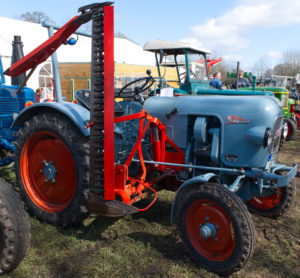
97,205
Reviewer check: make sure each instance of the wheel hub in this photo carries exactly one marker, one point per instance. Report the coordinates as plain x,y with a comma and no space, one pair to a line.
208,230
49,171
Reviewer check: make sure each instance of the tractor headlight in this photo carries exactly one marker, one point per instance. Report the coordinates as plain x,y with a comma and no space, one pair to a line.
14,115
272,137
268,138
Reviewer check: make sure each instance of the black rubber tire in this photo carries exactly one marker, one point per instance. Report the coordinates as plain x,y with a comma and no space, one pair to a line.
297,113
288,196
293,126
78,146
14,228
281,143
239,216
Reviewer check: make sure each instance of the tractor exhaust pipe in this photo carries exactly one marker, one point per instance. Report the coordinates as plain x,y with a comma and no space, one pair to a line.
17,54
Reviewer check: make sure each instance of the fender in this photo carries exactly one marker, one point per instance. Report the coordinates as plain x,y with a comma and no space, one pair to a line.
183,188
76,113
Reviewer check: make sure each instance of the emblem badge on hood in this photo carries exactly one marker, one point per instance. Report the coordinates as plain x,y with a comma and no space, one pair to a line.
235,120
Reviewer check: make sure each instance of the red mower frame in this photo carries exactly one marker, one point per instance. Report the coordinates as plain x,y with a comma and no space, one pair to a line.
130,189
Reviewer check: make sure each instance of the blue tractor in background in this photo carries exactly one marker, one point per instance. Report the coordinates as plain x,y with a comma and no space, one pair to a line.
12,102
14,224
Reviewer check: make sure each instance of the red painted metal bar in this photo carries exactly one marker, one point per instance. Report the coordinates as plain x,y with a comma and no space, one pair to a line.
130,117
45,50
138,142
109,183
174,146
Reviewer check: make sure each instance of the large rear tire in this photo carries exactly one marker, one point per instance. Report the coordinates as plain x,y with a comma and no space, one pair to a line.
14,229
51,162
277,203
216,228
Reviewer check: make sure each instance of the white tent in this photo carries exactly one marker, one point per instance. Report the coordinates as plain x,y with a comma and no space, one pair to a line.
33,34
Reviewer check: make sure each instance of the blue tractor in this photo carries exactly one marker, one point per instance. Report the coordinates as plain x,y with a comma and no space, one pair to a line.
12,102
14,224
104,156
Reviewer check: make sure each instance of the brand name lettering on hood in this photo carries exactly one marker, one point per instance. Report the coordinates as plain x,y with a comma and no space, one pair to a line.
234,120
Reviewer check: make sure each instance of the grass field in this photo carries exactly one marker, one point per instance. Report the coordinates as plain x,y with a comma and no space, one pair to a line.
146,245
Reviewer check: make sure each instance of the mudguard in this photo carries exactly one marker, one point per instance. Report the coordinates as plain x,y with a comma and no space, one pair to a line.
76,113
181,190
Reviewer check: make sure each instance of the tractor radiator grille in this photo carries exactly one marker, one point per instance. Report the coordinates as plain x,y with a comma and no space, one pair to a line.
97,103
8,106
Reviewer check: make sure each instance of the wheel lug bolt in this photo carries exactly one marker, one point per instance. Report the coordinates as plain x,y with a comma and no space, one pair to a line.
53,180
207,218
46,180
217,226
41,171
216,239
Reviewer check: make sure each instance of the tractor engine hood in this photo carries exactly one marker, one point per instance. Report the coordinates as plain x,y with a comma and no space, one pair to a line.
243,122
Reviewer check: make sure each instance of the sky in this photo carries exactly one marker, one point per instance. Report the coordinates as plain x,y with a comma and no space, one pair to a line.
237,30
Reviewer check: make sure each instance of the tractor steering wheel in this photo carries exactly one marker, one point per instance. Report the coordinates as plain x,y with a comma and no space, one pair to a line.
147,83
182,76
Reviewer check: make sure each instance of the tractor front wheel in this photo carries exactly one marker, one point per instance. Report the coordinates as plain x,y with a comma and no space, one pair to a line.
52,169
216,228
276,203
292,127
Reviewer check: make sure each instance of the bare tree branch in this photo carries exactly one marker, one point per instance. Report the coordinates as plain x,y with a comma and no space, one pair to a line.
35,17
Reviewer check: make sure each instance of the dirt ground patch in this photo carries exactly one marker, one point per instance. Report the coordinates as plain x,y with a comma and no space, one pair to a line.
146,245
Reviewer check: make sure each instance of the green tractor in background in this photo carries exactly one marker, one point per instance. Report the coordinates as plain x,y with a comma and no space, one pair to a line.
280,92
191,64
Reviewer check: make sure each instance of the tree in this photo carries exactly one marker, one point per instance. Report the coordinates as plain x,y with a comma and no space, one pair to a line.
290,65
35,17
261,68
123,36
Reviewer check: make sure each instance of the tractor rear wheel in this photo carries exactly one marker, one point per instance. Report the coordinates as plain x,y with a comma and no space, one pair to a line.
292,127
216,228
14,229
52,169
297,116
276,203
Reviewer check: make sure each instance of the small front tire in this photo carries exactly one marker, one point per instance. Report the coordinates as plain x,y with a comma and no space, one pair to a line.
277,203
216,228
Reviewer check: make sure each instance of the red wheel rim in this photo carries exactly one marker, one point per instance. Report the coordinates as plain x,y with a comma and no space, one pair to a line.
49,196
266,203
217,248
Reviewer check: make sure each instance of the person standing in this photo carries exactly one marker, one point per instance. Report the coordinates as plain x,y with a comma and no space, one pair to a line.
243,82
38,94
216,81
